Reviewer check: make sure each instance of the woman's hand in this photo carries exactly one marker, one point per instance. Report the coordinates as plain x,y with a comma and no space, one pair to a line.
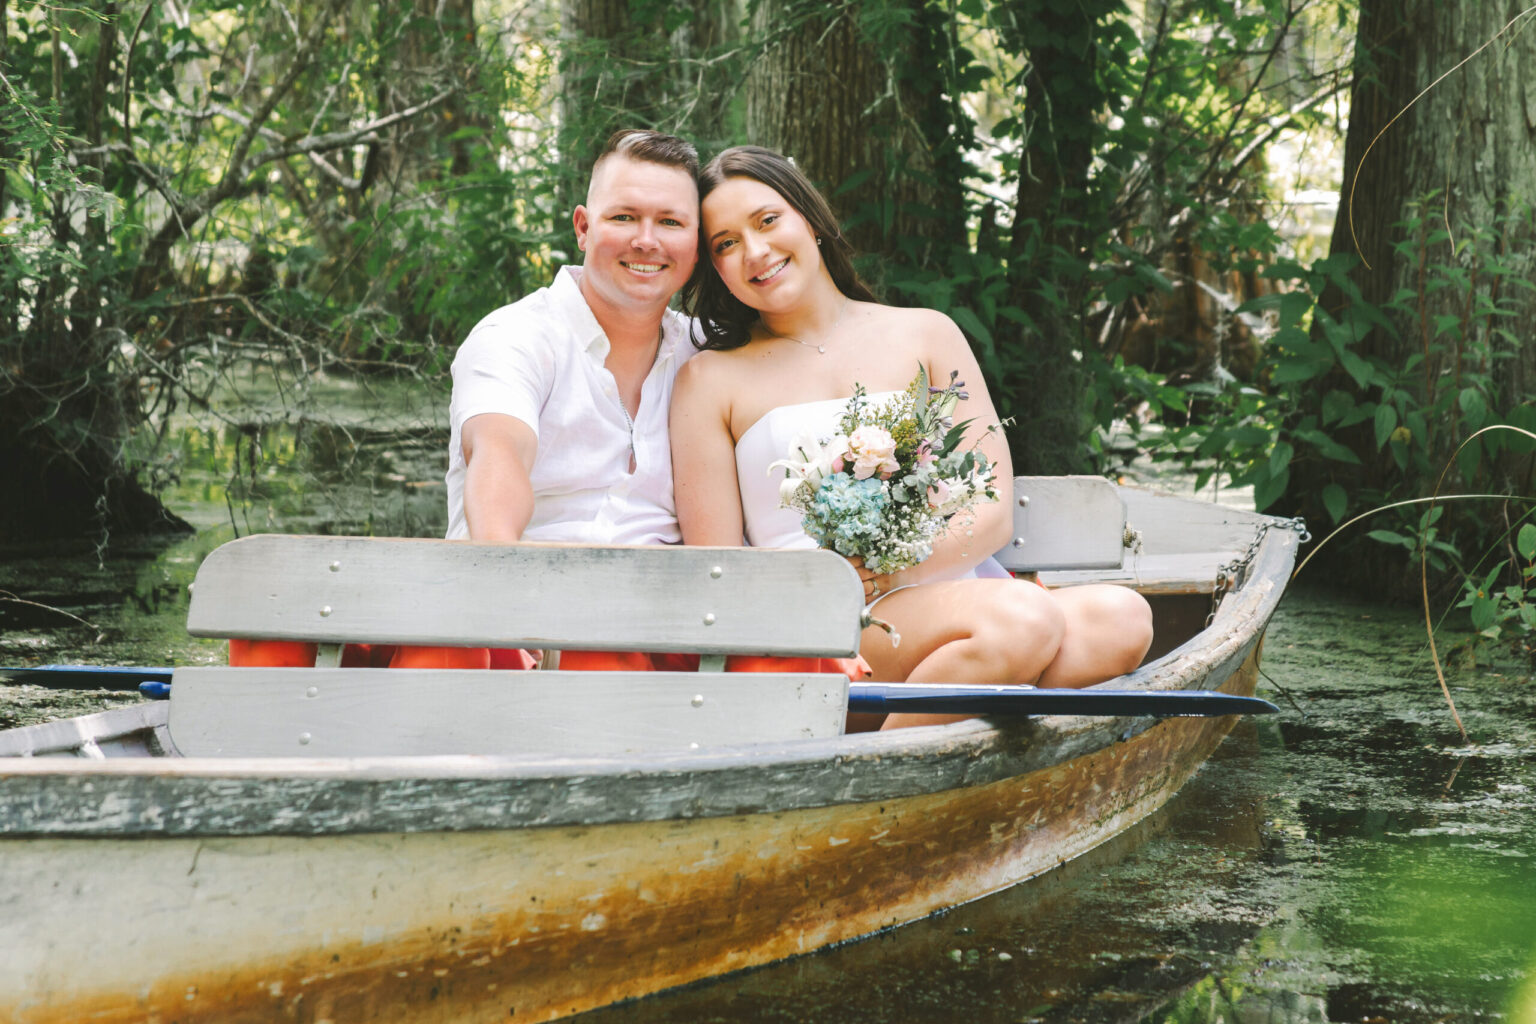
875,584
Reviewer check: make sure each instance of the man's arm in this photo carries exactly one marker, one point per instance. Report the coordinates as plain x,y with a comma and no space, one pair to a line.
498,495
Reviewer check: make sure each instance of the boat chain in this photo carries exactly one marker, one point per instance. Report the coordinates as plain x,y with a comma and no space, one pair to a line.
1233,573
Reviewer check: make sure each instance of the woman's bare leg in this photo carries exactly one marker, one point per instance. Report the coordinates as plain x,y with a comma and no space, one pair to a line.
1006,632
1108,630
964,631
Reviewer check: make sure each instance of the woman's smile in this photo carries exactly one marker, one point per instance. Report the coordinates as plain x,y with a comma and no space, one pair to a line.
771,272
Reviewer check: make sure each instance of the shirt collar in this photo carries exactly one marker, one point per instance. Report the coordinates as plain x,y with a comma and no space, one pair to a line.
584,327
572,307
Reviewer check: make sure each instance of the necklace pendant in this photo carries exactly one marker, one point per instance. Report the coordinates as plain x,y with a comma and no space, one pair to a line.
821,350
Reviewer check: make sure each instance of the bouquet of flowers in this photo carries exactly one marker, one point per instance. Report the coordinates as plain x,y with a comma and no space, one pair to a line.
888,484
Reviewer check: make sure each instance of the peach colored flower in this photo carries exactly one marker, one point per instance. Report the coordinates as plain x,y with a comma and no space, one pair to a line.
874,451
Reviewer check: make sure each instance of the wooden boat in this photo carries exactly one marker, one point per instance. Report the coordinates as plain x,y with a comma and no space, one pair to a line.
526,887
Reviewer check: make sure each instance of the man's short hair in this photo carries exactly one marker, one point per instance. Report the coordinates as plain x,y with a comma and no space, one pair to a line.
651,147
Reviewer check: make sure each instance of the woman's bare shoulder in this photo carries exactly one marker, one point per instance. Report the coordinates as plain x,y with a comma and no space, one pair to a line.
910,318
934,332
710,371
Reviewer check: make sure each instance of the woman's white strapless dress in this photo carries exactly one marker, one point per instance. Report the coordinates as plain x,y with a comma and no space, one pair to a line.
766,524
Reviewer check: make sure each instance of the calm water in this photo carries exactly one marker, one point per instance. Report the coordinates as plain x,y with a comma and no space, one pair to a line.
1348,860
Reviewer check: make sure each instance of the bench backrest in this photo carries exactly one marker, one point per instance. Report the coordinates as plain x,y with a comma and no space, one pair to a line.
568,597
1065,522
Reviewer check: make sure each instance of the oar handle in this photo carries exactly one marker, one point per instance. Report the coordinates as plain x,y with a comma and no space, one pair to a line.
958,699
86,676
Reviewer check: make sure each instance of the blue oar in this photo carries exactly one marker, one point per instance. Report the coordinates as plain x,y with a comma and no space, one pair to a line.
86,677
958,699
904,698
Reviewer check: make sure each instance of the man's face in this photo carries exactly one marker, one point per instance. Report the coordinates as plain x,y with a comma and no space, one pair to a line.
640,231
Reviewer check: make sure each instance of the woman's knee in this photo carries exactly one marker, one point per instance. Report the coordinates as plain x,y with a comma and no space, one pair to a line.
1125,625
1023,628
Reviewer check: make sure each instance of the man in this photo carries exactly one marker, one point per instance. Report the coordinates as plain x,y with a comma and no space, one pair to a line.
559,410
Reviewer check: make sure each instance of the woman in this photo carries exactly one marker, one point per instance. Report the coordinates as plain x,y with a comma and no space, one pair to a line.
789,329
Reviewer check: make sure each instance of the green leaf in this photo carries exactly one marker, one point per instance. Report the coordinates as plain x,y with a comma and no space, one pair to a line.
1294,371
1268,491
1248,435
1358,369
1391,537
1386,422
1336,501
1525,542
1280,458
1473,406
1336,404
971,324
1150,275
1484,613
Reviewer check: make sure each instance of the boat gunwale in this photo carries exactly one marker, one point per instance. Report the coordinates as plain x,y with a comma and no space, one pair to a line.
280,796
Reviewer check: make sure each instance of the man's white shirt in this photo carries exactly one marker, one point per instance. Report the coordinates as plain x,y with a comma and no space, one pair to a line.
540,360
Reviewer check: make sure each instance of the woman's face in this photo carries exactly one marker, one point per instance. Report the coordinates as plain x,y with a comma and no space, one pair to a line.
761,247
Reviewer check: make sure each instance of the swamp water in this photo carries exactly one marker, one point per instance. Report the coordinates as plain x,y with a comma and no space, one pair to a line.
1348,860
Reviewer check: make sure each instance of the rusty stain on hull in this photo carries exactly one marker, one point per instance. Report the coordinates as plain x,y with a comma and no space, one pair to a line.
578,918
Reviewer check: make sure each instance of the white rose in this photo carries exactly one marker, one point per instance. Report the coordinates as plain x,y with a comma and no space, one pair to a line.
873,450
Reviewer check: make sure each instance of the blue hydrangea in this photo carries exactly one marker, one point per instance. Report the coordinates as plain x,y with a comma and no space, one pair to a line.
847,514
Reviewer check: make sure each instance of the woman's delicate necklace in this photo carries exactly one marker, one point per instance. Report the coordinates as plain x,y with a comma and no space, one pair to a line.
820,349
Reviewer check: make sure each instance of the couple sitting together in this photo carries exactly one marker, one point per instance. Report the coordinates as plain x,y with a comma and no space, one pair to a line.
590,412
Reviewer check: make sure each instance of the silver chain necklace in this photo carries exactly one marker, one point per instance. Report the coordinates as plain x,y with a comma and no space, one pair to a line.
820,349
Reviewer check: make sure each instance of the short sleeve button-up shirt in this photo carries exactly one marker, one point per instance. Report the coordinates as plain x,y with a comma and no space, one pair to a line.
540,360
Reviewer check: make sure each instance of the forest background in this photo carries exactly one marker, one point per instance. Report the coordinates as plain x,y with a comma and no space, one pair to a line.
1110,197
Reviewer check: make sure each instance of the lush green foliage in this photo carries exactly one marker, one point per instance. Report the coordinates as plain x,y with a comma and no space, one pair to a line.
355,185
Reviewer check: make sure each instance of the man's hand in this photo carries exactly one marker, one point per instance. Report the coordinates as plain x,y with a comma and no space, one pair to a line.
498,497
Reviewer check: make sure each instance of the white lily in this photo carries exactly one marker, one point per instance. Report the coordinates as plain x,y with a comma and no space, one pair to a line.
809,460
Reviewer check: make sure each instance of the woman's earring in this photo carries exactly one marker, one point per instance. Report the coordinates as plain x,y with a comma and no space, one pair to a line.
818,239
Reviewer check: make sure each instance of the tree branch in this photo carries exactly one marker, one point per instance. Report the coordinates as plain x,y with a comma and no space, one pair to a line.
182,218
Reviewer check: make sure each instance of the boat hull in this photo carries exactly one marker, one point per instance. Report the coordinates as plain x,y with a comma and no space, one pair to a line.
535,924
527,888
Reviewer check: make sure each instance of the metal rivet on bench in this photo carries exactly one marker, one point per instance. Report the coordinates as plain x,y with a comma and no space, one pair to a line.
698,700
313,691
1023,501
709,618
325,611
1018,542
304,739
335,567
716,573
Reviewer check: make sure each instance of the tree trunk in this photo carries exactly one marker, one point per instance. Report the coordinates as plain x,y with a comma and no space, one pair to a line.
854,97
64,408
609,79
1043,387
1438,207
705,83
626,65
